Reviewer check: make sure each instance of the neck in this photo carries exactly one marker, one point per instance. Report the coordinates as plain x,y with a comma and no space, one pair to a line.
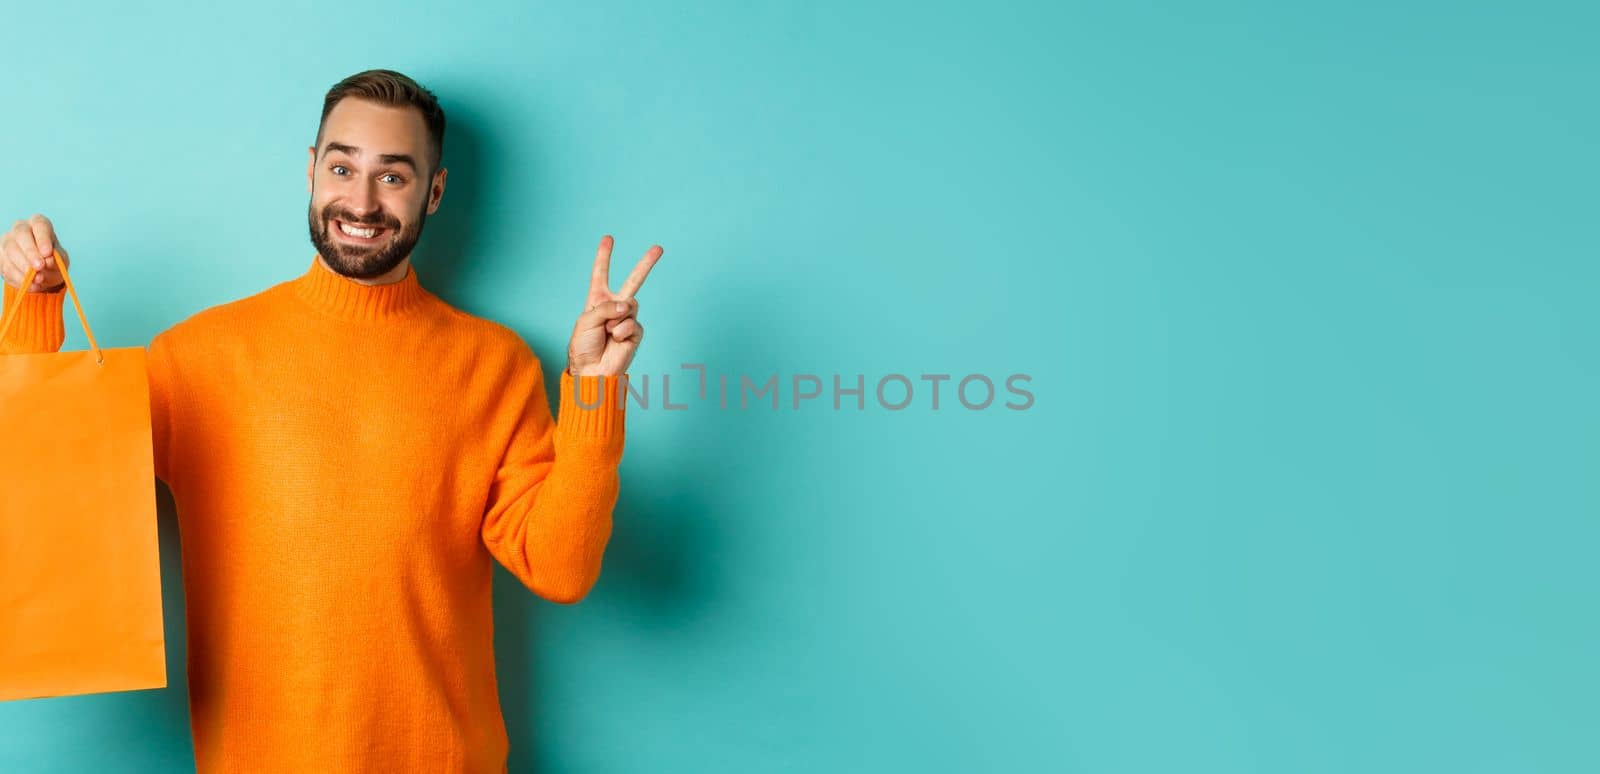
387,278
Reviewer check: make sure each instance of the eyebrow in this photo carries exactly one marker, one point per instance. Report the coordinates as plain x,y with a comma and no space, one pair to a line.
386,158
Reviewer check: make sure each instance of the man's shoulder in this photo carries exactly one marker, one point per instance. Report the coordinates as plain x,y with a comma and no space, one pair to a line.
234,316
488,338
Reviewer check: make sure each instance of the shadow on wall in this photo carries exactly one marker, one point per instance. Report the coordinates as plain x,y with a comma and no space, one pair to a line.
660,576
660,523
450,239
650,580
170,718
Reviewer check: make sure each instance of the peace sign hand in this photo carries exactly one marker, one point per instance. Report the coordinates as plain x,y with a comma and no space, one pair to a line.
608,332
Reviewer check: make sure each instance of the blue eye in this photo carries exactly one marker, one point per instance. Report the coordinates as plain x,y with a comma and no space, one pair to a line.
397,178
336,167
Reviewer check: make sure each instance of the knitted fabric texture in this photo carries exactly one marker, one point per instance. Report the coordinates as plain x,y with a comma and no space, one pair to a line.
348,461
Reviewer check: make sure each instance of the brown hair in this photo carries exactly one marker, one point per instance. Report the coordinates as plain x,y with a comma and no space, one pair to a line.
388,87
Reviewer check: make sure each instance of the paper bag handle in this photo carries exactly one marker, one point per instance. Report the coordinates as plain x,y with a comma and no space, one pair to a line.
11,315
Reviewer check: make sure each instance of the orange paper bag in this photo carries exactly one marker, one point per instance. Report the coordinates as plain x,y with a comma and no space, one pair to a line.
80,573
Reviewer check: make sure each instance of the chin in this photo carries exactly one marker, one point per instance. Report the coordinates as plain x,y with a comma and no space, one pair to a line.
363,267
363,261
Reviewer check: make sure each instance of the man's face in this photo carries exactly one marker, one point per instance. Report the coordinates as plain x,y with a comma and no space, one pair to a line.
366,177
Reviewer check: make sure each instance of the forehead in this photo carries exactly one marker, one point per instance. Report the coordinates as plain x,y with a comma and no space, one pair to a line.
375,128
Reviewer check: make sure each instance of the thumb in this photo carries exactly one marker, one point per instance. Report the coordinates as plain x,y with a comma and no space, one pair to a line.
613,309
50,278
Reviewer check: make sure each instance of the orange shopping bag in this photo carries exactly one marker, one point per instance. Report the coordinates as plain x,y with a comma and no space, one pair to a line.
80,574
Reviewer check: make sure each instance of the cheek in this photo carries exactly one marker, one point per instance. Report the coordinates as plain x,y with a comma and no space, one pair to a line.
405,206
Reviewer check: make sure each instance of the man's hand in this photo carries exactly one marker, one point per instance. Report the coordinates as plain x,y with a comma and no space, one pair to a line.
608,332
32,244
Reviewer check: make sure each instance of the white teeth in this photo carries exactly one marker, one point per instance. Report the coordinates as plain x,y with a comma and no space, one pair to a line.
366,233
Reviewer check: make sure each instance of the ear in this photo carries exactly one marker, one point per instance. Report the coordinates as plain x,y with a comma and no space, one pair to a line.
436,190
311,167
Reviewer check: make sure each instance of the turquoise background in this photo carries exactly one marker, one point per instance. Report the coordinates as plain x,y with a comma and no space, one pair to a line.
1306,292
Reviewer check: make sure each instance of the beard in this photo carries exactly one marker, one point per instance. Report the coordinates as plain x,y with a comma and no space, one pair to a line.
364,261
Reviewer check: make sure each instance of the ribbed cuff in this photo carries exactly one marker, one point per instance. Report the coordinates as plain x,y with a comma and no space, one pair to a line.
39,327
593,413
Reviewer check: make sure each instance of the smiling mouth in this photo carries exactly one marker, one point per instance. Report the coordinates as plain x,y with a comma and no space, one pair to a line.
364,235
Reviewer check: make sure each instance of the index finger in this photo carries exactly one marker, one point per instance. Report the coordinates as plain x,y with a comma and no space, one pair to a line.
640,271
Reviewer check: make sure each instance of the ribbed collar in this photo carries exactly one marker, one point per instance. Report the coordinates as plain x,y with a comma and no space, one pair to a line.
341,296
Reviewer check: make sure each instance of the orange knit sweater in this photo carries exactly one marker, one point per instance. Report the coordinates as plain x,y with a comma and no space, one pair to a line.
346,459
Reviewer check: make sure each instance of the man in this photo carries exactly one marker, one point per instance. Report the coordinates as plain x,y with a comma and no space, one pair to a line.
348,453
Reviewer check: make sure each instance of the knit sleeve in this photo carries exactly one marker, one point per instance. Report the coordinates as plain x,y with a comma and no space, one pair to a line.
548,516
38,327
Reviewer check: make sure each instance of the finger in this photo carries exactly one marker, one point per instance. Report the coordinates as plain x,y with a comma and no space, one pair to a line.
48,278
608,310
16,269
612,323
600,279
13,265
44,236
640,271
624,330
21,277
22,240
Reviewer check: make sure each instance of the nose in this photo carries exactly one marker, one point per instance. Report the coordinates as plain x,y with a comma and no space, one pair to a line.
363,201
